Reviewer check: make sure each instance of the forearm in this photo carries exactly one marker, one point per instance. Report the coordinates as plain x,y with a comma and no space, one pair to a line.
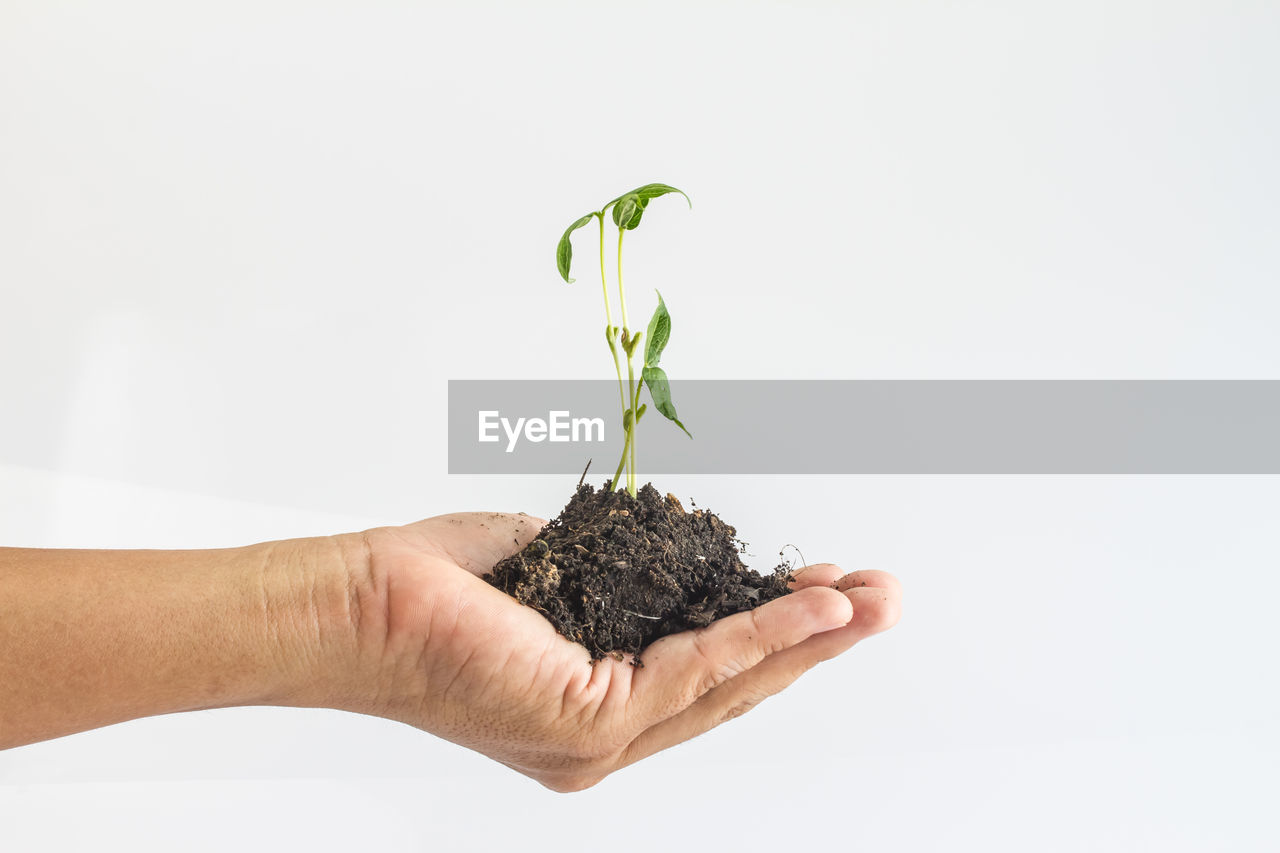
90,638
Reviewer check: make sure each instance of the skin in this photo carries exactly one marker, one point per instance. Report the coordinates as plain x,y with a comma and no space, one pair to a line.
395,622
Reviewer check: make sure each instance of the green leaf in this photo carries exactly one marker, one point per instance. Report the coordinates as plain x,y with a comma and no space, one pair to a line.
629,207
627,422
651,191
659,333
627,211
660,390
564,251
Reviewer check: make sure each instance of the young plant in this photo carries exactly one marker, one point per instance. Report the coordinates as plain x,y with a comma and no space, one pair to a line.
627,210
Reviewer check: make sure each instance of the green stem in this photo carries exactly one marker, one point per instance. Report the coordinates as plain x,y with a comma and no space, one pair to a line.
631,469
628,449
631,388
622,294
617,475
608,318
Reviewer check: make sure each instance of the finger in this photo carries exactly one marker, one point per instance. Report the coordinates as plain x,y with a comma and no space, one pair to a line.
477,541
681,667
869,578
819,574
875,609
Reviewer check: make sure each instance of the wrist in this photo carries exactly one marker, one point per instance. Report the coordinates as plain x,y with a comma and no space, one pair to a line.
323,614
91,638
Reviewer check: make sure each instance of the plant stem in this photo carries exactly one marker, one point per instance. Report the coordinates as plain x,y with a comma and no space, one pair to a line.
622,295
631,472
608,317
628,462
617,475
631,442
604,285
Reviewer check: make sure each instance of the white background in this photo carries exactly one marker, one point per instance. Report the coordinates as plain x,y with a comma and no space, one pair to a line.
244,245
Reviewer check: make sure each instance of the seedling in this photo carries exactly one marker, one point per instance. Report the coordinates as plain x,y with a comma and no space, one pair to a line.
626,211
616,570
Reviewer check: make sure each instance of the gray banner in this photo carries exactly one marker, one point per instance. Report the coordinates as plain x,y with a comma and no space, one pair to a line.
873,427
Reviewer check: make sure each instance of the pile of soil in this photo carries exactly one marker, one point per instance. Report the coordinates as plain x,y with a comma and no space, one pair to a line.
615,573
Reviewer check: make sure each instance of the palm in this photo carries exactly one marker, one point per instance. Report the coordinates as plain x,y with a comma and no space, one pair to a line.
469,663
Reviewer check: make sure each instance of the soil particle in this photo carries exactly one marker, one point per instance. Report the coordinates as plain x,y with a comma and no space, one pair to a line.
615,573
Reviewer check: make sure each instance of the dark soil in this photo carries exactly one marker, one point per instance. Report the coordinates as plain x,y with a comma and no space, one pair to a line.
615,573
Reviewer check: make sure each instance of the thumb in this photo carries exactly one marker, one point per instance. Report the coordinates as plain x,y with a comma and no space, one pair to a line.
681,667
476,541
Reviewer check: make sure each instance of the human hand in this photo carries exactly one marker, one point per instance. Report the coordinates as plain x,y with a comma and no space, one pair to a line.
443,650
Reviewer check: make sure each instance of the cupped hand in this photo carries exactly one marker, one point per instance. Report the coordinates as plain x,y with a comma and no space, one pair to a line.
457,657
